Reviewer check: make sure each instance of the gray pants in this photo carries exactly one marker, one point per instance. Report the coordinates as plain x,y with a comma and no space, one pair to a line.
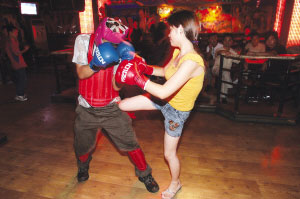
117,125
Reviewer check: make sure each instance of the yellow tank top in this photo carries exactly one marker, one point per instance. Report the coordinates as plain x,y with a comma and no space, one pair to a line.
185,98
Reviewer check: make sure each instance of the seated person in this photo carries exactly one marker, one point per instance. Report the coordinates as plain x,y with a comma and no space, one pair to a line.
227,64
255,47
273,47
275,68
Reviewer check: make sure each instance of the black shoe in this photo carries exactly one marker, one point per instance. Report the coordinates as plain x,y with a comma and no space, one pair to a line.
252,100
150,183
83,169
83,174
266,98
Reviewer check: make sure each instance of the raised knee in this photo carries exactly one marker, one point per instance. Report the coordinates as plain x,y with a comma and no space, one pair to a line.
121,105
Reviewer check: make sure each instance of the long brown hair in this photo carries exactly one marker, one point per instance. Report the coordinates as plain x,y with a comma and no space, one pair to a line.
188,21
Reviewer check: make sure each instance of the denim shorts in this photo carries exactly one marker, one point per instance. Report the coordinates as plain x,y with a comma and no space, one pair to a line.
174,119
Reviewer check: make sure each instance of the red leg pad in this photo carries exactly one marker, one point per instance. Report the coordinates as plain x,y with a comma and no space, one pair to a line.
98,137
84,157
131,115
138,158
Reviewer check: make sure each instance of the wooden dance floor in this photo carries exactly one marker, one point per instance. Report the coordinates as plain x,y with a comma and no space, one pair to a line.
220,158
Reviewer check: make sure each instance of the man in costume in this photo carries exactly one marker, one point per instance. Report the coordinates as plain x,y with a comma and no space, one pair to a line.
96,59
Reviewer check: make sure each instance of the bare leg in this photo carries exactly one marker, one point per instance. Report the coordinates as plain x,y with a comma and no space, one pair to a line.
136,103
170,148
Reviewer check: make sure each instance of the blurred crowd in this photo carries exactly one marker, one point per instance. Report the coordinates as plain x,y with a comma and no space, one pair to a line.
256,71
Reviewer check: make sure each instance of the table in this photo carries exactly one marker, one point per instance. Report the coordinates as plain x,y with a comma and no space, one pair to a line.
61,94
54,54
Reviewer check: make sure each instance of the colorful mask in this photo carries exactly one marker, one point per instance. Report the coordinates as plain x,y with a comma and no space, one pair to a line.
111,30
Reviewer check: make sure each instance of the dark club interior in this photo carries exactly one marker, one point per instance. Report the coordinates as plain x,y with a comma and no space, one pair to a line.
241,138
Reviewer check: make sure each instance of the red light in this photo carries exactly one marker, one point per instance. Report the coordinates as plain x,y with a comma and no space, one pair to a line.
294,32
271,160
86,18
279,16
34,32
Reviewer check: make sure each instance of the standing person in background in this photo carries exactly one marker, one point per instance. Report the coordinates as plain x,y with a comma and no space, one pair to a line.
17,62
130,22
213,47
142,21
211,50
184,74
98,100
152,23
161,50
146,39
136,36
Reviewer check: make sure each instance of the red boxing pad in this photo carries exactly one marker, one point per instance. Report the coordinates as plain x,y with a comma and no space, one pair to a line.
138,158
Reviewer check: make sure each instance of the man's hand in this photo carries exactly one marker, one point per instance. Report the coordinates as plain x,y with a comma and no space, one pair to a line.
104,56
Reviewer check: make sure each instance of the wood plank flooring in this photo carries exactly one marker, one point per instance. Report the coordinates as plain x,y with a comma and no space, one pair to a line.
220,158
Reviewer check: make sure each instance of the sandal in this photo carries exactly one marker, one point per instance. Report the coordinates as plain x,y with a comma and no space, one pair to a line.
170,194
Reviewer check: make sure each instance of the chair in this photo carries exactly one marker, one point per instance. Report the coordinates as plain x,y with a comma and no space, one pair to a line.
282,81
253,77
